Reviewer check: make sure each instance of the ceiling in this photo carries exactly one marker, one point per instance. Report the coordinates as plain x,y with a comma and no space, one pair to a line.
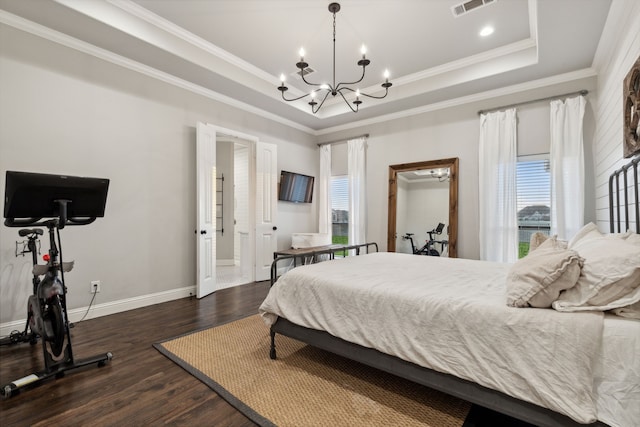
236,50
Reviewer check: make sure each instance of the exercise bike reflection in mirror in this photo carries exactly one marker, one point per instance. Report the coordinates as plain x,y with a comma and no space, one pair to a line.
429,247
53,201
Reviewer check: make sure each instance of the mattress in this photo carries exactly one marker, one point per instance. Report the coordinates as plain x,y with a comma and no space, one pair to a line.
450,315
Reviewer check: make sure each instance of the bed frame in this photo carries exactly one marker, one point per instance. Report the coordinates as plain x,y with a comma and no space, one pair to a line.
630,205
450,384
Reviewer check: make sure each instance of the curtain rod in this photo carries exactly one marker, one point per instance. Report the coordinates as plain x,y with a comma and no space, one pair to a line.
364,135
549,98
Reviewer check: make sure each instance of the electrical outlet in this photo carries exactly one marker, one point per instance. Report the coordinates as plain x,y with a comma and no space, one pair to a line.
95,286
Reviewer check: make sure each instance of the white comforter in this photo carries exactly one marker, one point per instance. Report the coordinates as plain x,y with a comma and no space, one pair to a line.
449,315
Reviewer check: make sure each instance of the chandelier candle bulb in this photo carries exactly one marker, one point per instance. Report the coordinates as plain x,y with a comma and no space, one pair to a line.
357,102
313,99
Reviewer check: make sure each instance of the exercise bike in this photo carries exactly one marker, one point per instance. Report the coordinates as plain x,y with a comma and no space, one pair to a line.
32,245
428,248
47,316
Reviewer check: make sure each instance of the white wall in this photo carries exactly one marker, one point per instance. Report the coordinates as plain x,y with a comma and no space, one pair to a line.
619,48
63,111
298,217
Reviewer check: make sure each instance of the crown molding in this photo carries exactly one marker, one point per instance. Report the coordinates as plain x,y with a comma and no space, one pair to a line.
482,96
177,31
87,48
522,48
504,58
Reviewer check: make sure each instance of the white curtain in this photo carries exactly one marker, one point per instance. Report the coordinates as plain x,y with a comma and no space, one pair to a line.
497,191
324,193
567,167
357,190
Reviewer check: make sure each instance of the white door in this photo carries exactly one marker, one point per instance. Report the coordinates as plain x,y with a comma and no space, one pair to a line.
266,208
206,220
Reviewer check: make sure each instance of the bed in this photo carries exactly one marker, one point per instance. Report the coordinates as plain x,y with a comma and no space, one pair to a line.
456,334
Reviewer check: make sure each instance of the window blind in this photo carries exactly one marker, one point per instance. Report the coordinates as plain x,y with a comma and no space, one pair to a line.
340,208
533,182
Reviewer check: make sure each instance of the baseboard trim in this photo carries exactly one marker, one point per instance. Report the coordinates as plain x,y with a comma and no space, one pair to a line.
225,262
111,307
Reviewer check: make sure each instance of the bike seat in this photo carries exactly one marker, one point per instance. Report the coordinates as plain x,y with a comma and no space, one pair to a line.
408,234
27,231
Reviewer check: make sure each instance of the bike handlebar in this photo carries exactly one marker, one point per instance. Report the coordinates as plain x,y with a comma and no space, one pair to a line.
13,222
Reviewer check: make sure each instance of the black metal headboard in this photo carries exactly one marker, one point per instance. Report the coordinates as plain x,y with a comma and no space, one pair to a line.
625,198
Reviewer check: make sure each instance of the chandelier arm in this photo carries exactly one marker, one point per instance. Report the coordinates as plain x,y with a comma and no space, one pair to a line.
351,83
294,99
313,84
347,102
315,110
346,88
386,91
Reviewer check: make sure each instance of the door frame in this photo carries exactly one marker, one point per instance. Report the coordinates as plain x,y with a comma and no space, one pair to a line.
203,287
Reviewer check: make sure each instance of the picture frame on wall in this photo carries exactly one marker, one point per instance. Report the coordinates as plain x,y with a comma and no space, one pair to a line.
631,106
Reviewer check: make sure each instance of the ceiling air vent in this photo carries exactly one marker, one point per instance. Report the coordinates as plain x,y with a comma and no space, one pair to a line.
468,6
306,71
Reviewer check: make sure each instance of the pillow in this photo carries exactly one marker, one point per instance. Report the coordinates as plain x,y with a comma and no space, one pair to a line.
537,279
590,231
538,238
610,276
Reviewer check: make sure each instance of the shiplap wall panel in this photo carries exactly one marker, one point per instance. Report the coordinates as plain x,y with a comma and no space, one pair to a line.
619,48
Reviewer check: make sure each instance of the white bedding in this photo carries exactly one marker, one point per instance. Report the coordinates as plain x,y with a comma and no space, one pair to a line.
617,373
450,315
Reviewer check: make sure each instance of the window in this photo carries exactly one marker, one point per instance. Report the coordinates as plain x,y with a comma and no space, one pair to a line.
340,209
533,181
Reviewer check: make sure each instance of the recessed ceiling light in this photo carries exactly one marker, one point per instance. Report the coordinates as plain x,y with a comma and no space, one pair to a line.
486,31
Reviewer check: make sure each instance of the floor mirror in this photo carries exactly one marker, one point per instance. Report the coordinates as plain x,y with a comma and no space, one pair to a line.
423,207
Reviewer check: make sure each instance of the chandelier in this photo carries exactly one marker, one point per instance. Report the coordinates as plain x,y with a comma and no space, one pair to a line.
323,90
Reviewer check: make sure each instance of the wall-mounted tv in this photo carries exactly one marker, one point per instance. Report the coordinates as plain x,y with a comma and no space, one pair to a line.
295,187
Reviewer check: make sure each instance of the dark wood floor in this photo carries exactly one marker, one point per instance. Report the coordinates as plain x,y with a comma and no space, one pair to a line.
139,386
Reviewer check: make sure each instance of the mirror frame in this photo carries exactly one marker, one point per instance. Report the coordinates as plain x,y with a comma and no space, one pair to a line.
452,164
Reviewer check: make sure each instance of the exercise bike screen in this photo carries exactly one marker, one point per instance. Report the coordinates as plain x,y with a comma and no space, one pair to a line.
33,195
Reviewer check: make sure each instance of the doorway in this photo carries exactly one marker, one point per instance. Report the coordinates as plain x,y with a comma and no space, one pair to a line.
233,262
262,213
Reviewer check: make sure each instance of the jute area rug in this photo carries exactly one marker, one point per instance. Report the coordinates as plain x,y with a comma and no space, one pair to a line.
305,386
